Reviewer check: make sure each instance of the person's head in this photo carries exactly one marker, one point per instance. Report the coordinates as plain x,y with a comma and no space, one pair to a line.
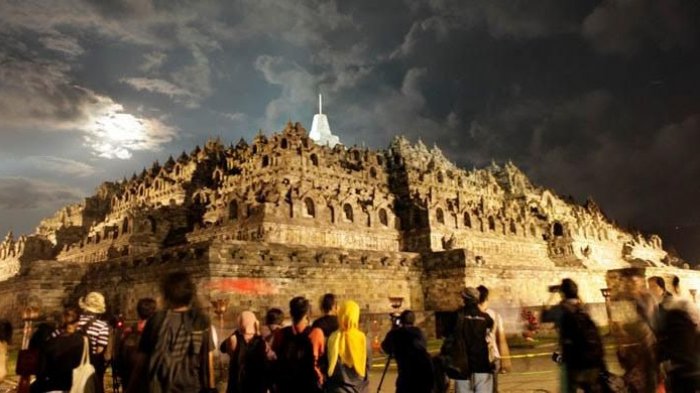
407,318
93,303
483,295
70,318
569,289
657,287
5,331
178,290
676,285
633,280
329,306
248,323
274,316
349,316
299,309
145,308
470,296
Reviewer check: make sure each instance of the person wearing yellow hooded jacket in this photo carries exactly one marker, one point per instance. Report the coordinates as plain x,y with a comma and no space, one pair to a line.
348,354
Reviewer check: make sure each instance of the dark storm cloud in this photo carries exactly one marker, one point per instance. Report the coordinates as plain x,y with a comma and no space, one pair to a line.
626,27
590,98
22,193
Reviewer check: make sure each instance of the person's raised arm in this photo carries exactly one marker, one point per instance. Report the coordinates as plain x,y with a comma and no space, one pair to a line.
229,345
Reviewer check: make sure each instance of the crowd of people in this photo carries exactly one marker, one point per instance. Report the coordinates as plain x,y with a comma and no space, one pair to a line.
657,342
172,350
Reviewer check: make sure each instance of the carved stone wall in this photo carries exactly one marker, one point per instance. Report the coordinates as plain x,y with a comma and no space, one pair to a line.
282,216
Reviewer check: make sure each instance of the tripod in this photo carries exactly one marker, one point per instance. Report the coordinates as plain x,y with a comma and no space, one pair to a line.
386,368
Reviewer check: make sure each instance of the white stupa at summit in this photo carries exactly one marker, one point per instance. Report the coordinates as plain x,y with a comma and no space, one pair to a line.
321,129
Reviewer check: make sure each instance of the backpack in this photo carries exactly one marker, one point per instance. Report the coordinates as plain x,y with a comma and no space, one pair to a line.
249,363
679,340
582,347
455,361
295,361
177,359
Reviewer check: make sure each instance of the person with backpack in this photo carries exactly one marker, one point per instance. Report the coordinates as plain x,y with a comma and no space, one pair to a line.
298,348
465,350
407,344
177,342
678,340
60,355
348,354
579,340
127,358
97,330
248,353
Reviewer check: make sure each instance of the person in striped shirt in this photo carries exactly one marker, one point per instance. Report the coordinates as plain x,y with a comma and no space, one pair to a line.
97,331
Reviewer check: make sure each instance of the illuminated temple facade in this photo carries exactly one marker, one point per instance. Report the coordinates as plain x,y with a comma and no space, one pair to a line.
262,221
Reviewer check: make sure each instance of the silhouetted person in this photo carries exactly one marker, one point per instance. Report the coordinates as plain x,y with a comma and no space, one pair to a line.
298,349
273,321
579,340
128,360
636,341
5,339
60,355
467,341
657,289
247,352
499,352
678,339
408,346
328,323
177,341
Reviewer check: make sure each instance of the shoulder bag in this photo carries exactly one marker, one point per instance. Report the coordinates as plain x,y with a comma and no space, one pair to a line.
84,374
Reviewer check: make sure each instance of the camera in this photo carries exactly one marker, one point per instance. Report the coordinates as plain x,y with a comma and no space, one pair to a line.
557,358
395,320
554,288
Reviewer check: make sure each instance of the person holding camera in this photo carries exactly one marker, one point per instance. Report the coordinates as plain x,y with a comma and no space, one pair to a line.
579,340
407,344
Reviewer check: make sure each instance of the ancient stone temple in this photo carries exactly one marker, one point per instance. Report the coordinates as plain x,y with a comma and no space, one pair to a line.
262,221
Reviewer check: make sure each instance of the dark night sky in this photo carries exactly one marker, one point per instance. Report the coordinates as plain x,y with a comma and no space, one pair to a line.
591,98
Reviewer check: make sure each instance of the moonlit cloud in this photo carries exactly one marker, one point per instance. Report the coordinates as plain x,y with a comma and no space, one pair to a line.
111,133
